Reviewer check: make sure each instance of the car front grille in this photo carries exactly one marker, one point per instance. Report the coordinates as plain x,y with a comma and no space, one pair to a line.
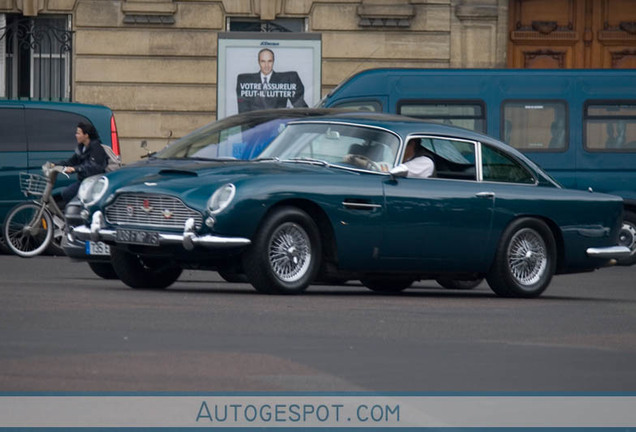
150,210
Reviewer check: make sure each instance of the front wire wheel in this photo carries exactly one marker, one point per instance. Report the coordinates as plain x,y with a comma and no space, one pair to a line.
285,254
290,252
28,229
525,260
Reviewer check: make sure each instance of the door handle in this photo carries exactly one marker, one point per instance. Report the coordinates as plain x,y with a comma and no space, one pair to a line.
485,194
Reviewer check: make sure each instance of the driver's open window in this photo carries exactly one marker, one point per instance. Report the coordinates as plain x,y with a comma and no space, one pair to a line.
453,159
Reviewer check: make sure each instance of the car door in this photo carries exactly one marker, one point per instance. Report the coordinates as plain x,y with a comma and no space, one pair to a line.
439,223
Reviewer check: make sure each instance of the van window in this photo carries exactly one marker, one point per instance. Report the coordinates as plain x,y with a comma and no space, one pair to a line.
51,130
535,125
498,167
12,130
610,127
466,115
366,105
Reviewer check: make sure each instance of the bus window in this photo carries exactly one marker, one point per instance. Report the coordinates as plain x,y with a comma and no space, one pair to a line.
361,105
535,125
467,115
610,127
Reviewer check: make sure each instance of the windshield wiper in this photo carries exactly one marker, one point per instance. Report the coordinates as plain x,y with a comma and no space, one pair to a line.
310,160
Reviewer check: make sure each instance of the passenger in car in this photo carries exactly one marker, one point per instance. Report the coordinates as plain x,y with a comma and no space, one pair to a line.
418,160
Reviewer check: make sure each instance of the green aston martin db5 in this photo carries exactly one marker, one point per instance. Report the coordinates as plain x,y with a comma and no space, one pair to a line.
345,197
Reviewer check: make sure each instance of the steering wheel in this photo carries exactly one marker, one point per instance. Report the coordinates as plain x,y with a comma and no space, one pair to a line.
361,162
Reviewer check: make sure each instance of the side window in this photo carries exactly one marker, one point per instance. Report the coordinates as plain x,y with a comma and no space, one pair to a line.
498,167
453,159
50,130
12,136
469,115
610,126
367,105
535,125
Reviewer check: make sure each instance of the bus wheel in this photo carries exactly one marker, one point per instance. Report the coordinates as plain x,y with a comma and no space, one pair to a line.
627,238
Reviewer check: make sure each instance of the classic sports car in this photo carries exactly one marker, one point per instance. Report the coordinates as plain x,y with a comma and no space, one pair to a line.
241,136
329,198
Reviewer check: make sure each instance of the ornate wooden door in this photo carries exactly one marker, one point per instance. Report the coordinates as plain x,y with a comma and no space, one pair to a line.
566,34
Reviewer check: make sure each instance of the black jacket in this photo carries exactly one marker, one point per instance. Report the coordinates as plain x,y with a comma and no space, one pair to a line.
88,161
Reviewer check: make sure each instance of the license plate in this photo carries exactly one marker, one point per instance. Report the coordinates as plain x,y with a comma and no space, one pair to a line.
97,248
148,238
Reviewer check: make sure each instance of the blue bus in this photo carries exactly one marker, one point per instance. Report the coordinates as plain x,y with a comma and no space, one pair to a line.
579,125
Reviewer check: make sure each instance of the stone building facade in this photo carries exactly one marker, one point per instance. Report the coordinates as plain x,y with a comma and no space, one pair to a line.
154,62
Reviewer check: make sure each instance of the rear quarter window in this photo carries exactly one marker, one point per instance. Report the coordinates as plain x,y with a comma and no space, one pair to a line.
51,130
12,137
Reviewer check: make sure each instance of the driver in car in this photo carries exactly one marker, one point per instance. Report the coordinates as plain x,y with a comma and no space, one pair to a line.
417,160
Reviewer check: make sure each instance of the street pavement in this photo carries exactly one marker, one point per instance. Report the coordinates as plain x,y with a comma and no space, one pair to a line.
64,329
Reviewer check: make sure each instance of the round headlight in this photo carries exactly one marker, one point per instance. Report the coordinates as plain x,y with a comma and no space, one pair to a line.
221,198
92,189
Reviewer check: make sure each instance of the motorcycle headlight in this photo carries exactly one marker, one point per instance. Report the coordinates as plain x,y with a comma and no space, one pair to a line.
221,198
92,189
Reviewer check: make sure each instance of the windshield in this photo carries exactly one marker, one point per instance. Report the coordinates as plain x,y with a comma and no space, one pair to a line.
335,143
234,137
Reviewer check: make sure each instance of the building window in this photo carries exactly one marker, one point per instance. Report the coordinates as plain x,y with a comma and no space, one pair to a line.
282,25
36,57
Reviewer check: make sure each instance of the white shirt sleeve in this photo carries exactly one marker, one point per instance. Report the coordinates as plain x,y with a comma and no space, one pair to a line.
420,167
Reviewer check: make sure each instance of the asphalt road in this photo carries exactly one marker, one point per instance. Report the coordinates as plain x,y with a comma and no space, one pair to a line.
64,329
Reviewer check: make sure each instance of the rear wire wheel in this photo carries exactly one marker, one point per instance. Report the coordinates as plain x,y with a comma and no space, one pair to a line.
525,260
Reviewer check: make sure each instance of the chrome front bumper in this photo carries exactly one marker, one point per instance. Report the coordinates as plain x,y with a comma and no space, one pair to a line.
189,239
611,252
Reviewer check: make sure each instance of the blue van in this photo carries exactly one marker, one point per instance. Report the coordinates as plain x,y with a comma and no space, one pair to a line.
34,132
579,125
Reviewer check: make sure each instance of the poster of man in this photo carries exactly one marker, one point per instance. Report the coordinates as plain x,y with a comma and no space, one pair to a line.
267,88
282,71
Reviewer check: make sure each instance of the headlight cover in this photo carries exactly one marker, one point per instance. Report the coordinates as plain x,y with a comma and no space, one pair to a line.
221,198
92,189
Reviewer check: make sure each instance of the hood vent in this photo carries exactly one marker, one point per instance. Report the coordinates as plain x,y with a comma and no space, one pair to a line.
178,172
